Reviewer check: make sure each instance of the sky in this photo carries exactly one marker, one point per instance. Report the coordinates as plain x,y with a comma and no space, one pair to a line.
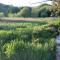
22,2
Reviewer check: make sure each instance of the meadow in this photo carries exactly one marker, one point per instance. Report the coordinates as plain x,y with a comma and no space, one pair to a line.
29,40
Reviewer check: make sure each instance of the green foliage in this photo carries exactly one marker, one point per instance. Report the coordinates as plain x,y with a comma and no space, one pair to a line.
44,13
11,11
20,50
1,14
28,40
55,8
25,12
41,11
6,9
44,10
34,12
11,15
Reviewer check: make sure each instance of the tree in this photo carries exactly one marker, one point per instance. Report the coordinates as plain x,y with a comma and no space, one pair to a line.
55,9
41,11
44,10
25,12
44,13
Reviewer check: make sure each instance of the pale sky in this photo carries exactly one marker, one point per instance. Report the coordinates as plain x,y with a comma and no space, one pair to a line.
21,2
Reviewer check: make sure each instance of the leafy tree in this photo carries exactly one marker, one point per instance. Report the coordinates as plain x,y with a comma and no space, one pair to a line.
41,11
55,9
13,9
8,9
44,13
34,12
25,12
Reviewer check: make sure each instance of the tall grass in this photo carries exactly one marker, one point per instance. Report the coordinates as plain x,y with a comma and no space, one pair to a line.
28,40
29,51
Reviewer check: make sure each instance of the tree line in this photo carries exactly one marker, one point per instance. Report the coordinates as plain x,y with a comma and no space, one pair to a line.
44,10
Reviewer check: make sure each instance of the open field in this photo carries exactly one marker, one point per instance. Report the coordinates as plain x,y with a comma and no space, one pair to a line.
28,38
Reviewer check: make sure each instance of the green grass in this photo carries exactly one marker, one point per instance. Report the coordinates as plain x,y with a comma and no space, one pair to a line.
29,40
